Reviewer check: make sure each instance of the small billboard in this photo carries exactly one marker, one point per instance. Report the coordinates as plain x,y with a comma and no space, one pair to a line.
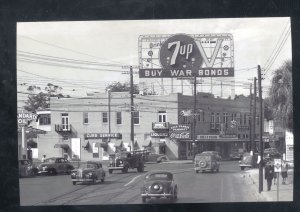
185,56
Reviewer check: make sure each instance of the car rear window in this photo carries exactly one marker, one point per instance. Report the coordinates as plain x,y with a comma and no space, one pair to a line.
88,166
157,176
50,160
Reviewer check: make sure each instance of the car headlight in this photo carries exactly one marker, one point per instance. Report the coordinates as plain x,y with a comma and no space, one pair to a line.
89,175
121,162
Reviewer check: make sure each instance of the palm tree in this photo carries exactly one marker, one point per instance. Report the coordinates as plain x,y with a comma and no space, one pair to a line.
281,93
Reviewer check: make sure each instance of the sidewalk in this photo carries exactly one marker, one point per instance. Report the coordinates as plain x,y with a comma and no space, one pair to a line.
285,191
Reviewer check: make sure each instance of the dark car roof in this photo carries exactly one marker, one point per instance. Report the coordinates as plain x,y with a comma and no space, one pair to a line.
159,172
95,162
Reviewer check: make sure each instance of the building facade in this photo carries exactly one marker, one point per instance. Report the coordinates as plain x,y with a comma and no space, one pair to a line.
92,127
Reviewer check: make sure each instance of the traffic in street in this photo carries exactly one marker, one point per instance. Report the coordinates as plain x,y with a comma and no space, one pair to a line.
125,188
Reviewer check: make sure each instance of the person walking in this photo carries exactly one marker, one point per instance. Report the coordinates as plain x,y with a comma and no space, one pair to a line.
43,158
284,169
269,174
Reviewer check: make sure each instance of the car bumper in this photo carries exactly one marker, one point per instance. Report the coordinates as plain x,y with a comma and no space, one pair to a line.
116,168
156,195
83,180
202,169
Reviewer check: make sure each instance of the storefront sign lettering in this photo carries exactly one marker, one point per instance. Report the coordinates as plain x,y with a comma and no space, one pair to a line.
159,134
102,135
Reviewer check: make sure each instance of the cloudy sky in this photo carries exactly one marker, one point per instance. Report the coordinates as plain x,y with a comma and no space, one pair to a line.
54,51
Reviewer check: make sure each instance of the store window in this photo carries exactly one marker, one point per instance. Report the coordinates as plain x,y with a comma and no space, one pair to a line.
162,116
104,117
85,118
136,117
245,119
119,117
225,119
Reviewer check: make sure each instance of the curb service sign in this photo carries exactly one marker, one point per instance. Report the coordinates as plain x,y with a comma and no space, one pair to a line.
182,55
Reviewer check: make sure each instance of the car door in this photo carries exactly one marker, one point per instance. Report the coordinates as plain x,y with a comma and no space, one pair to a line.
59,164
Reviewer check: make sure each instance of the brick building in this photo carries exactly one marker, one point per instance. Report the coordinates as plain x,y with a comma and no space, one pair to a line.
92,127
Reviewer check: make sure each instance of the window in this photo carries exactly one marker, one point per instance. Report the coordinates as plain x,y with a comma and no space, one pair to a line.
44,119
85,118
65,121
212,121
104,117
239,118
185,119
225,119
245,119
119,117
218,120
162,116
136,117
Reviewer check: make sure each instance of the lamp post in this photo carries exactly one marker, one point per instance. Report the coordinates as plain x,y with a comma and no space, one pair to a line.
109,98
193,144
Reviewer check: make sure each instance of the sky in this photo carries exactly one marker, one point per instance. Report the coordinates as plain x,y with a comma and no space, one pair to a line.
108,46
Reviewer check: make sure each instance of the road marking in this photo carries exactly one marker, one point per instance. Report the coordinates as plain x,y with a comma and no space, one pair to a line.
131,181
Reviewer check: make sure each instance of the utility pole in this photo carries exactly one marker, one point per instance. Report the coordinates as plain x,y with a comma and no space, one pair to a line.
250,121
260,189
221,89
131,109
109,122
194,115
253,120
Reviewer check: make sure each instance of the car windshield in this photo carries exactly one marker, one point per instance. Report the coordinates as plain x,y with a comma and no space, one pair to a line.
88,166
50,160
202,157
247,159
159,176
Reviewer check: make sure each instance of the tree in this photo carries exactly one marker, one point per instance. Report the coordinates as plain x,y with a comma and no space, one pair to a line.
39,99
281,94
268,109
122,87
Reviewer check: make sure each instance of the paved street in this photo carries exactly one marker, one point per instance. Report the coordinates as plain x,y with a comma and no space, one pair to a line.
225,186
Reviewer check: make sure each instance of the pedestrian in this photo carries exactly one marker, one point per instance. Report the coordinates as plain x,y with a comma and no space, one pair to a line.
43,158
269,175
284,169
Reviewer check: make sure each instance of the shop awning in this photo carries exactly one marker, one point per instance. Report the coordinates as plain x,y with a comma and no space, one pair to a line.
118,143
101,144
147,143
64,146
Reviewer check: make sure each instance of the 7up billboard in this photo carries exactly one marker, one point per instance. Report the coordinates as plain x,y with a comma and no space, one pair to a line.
181,55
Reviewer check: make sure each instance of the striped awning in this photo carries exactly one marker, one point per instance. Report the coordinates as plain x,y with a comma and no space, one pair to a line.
118,143
101,144
64,146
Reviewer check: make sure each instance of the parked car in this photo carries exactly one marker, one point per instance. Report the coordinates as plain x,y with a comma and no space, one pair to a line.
27,168
271,153
236,154
159,184
126,160
206,161
88,172
157,158
55,165
215,153
248,161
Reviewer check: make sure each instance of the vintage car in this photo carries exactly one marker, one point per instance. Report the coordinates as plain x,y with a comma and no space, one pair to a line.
55,165
159,184
126,160
236,154
88,172
27,168
217,154
156,158
206,162
271,154
248,161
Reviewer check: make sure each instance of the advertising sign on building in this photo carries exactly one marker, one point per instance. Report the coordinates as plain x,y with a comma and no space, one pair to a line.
103,135
180,131
289,148
159,134
277,165
182,55
24,117
160,125
75,146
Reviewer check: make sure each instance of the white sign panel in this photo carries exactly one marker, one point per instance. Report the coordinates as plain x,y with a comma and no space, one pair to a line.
95,149
75,146
277,165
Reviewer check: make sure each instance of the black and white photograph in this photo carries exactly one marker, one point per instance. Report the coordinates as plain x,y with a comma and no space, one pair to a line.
155,111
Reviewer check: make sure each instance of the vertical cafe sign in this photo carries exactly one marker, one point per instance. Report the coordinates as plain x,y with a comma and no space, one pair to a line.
181,55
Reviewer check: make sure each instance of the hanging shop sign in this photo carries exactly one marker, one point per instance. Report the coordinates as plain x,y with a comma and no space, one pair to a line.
182,55
103,135
24,117
180,131
216,137
160,125
159,134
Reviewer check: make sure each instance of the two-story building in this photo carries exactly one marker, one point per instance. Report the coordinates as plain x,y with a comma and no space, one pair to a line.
92,127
